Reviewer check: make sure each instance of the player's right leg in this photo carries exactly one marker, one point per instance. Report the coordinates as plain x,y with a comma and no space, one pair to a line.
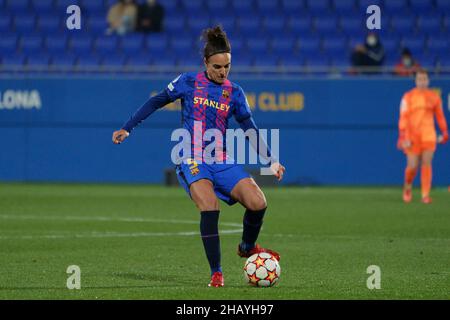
410,174
197,181
426,175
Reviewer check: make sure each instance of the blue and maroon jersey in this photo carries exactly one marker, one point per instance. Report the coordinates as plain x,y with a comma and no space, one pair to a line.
208,102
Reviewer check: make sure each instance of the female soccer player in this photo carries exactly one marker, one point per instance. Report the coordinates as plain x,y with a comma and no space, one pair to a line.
210,98
417,133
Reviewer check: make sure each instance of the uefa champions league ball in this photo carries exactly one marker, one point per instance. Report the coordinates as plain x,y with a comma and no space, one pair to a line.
262,270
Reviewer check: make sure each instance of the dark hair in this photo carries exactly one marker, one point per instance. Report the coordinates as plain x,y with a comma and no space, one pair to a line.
422,71
216,41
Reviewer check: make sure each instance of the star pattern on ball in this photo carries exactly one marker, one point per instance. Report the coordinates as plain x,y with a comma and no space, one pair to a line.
259,262
271,275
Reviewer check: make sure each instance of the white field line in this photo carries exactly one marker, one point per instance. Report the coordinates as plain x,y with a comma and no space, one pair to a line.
110,234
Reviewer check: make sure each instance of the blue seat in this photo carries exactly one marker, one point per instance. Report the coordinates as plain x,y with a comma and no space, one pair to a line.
349,25
192,5
335,45
443,5
391,45
170,5
293,60
65,61
116,59
217,7
309,45
257,45
174,24
167,60
421,5
190,60
416,44
24,23
106,45
88,60
426,60
364,4
315,6
317,60
267,6
31,44
283,45
8,43
326,25
14,60
340,60
395,6
430,24
49,23
439,45
444,61
344,6
56,44
242,61
5,23
293,6
242,6
265,60
300,25
62,5
227,22
92,7
181,45
237,46
132,43
42,5
157,44
17,5
248,26
38,60
403,23
196,25
274,24
81,44
97,24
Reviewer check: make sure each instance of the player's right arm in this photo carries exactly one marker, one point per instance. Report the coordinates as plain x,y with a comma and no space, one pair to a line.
442,123
173,91
403,140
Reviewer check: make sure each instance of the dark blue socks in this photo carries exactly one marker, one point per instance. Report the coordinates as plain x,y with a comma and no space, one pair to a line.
209,231
253,221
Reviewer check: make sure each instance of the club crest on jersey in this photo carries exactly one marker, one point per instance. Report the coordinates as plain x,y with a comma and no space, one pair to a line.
225,94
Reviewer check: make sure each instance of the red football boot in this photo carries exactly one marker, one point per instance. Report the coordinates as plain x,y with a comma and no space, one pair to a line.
257,249
407,195
216,280
427,200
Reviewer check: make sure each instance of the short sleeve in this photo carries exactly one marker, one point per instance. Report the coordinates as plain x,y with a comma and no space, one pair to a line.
242,108
177,87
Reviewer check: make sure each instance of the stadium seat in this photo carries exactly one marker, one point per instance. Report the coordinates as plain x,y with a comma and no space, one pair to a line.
395,6
315,6
241,60
190,60
309,45
227,22
38,60
403,24
173,24
165,61
61,5
292,60
325,25
248,26
196,25
415,44
114,60
181,45
97,24
274,25
132,43
420,6
16,60
106,45
257,45
266,60
267,6
237,46
443,5
426,60
42,6
300,26
8,43
242,6
217,7
139,59
17,5
92,7
293,6
335,45
439,45
157,44
391,45
63,61
56,44
31,44
317,61
344,6
364,4
88,61
283,45
48,23
350,25
430,24
5,23
81,44
25,23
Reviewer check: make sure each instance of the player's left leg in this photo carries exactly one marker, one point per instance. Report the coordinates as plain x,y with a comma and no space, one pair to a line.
410,173
248,193
426,175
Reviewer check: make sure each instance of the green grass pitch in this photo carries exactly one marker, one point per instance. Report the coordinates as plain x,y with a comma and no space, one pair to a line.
141,242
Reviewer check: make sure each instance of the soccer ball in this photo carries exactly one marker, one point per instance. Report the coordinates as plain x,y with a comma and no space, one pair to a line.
262,270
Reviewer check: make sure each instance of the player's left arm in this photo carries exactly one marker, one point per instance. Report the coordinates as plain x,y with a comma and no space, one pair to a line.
442,123
243,116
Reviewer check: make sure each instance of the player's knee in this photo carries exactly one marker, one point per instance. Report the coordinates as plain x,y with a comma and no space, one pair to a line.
257,203
208,204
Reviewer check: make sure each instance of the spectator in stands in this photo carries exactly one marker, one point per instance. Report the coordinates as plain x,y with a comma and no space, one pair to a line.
407,66
368,57
150,17
122,17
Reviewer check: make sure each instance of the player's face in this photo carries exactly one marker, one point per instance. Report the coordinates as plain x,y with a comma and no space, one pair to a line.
422,81
218,66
